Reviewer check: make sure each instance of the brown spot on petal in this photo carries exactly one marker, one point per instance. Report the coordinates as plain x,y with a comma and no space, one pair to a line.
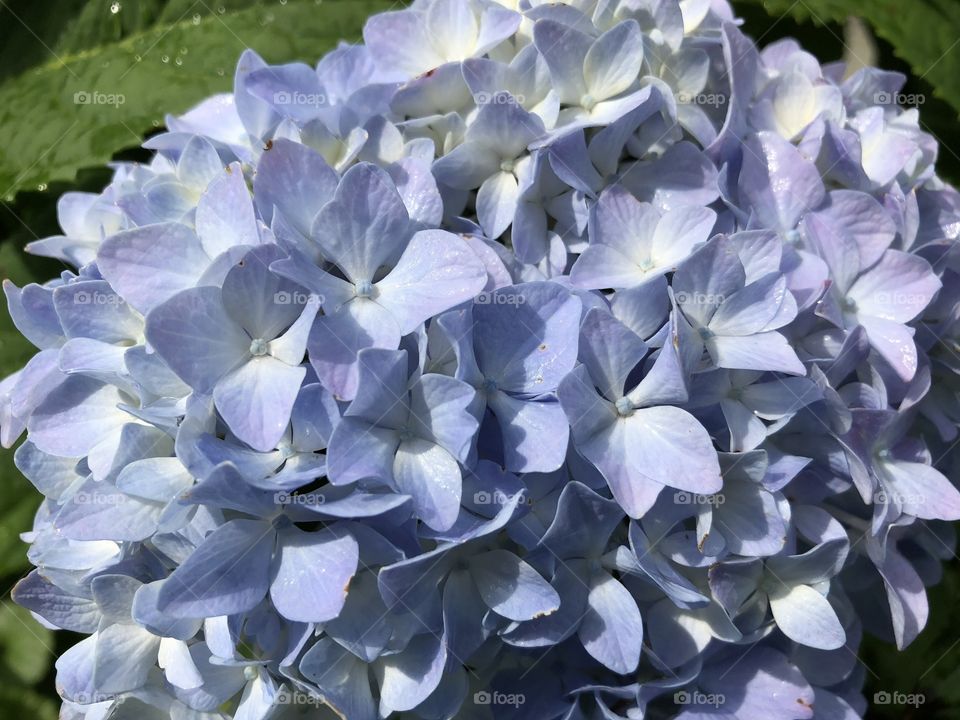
268,145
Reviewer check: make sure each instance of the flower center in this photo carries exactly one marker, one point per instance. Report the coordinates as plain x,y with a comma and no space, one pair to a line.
364,289
587,102
849,305
258,347
508,165
489,385
705,333
624,407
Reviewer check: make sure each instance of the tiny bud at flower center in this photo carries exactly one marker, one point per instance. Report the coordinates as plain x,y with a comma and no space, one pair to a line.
364,289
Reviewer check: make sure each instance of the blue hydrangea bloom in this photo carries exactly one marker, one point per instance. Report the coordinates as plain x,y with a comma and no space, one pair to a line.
527,360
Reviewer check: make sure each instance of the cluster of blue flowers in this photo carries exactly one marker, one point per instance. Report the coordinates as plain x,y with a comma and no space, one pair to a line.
526,361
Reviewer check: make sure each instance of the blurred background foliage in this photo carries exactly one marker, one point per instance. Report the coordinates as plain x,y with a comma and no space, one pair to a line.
163,56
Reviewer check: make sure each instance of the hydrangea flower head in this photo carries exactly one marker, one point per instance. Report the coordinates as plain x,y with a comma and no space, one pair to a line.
565,361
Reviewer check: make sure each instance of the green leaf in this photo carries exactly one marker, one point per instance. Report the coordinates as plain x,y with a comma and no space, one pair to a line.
20,702
27,647
922,32
78,110
929,666
107,21
28,30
